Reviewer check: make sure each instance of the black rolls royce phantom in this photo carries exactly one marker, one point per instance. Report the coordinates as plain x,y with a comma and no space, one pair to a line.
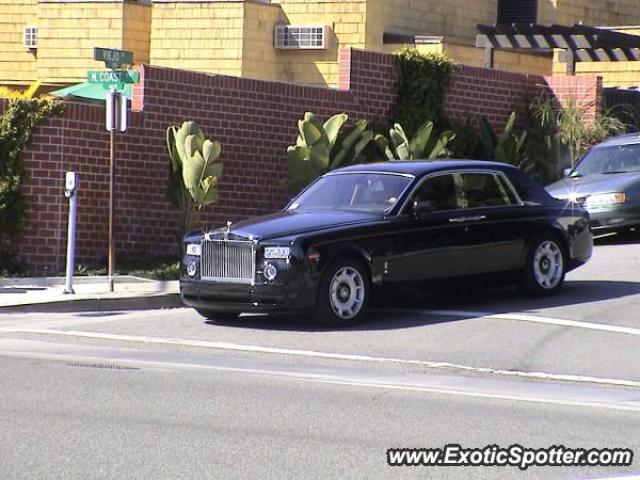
374,224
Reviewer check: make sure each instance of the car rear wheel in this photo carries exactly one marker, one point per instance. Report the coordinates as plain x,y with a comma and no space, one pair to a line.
220,316
343,296
546,266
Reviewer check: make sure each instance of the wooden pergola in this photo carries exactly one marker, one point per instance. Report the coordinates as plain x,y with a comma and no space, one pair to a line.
579,42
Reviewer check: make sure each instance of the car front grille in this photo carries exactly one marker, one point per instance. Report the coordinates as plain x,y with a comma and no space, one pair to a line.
231,261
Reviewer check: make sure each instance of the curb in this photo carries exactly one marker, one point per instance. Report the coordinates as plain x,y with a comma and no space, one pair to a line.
77,280
152,302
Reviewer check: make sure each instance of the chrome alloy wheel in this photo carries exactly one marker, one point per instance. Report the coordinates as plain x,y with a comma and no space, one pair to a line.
548,265
347,292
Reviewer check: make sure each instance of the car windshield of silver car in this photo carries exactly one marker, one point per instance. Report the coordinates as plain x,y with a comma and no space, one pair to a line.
609,160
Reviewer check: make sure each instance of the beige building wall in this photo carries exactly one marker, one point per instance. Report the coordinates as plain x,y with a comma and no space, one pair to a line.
347,22
202,36
18,64
589,12
236,37
503,59
68,32
456,19
259,58
137,31
468,55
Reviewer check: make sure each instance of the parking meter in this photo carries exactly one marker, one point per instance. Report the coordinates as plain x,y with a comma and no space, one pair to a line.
70,184
70,188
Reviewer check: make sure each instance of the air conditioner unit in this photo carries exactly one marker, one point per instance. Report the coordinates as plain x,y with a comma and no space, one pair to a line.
30,37
301,37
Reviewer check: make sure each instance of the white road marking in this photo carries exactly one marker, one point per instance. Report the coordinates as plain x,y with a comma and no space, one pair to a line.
494,396
518,317
328,355
631,477
572,396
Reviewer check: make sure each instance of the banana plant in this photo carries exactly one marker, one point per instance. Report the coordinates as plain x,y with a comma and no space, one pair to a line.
321,147
507,147
422,146
194,172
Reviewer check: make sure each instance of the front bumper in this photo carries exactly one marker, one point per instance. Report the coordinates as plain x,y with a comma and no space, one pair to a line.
233,298
616,217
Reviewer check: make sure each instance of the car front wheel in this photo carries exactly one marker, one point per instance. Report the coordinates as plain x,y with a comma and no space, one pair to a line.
546,266
343,296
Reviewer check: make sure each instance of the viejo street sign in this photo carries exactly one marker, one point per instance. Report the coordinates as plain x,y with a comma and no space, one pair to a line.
113,58
113,77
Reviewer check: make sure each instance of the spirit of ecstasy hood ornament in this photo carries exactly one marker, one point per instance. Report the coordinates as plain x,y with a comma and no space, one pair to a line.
226,233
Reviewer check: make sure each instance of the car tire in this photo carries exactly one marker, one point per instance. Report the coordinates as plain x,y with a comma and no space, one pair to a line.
220,316
343,296
546,266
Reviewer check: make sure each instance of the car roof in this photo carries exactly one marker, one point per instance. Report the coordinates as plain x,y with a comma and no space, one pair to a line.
419,168
626,139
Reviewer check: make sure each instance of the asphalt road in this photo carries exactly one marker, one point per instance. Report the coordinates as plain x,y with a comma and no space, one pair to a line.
165,394
69,421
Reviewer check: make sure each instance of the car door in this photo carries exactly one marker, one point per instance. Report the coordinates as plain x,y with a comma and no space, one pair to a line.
494,226
433,246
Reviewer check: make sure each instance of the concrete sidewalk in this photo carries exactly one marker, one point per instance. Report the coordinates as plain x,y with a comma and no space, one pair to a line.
91,293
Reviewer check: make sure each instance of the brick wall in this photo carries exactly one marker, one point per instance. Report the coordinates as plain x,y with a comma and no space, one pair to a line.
254,120
584,91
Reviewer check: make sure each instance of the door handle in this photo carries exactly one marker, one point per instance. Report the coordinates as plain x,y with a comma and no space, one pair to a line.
475,218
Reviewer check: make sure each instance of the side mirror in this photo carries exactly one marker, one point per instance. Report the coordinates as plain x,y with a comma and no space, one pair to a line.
566,172
421,208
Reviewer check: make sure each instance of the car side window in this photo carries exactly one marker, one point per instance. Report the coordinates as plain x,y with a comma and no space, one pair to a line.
441,191
484,190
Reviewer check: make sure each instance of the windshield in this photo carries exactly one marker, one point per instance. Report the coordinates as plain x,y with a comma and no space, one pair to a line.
368,192
603,160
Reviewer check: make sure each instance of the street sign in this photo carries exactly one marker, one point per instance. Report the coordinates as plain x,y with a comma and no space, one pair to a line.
113,77
113,58
116,119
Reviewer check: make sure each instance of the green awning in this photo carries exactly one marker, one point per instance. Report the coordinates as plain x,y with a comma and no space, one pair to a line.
88,91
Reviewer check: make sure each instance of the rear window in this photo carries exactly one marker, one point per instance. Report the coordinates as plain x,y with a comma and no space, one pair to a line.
530,190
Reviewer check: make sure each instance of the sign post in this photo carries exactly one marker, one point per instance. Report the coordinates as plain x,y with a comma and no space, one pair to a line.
116,119
111,100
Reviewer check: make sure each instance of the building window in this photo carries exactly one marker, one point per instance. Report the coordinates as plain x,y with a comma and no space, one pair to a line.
517,11
300,37
30,37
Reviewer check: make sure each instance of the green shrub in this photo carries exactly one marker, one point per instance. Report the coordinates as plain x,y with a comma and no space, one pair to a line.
423,81
194,173
424,145
321,147
16,126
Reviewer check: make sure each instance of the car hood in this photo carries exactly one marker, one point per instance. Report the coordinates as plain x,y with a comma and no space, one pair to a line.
291,222
591,184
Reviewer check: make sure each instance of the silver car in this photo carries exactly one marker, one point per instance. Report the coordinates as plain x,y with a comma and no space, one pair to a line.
606,182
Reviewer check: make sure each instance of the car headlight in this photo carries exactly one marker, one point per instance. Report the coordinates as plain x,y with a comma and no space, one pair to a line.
194,249
276,252
605,199
270,272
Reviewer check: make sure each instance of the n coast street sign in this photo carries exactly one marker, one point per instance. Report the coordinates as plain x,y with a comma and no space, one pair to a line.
113,77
